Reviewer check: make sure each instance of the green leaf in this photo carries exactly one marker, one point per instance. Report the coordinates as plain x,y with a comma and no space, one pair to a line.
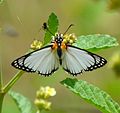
53,27
92,94
95,42
22,102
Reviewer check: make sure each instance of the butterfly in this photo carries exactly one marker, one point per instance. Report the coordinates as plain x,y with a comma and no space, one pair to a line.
47,60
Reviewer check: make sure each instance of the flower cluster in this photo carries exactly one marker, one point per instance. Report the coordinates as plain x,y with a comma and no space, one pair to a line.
69,38
36,44
41,95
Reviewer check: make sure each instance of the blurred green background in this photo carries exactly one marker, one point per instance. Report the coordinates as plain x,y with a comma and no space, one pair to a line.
20,24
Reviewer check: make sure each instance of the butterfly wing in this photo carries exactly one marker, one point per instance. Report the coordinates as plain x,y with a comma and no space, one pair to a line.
76,60
42,61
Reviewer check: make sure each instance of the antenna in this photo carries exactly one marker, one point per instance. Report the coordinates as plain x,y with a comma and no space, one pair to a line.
68,28
45,27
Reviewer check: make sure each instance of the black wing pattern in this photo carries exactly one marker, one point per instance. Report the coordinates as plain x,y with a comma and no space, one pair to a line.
76,60
43,61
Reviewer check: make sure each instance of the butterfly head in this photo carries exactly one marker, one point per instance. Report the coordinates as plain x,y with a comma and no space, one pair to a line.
58,39
58,42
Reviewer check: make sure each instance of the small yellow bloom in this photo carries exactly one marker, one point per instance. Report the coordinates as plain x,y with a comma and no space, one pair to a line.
71,41
50,91
40,92
41,95
69,38
45,92
42,104
47,105
36,44
65,41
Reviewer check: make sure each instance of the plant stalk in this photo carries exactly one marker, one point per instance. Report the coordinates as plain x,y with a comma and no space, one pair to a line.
7,87
1,81
1,100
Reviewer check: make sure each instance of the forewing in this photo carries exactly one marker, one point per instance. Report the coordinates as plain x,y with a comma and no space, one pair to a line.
76,60
42,61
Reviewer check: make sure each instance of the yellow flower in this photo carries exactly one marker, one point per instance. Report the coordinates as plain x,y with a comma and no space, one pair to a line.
36,44
69,38
45,92
50,91
47,105
41,95
42,104
39,103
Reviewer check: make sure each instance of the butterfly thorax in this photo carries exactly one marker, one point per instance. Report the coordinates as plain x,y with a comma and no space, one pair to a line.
59,45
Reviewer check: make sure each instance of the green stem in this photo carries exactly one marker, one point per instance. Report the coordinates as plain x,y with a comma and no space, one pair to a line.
7,87
1,101
1,82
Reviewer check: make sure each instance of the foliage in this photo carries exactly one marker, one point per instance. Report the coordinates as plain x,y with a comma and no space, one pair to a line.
22,102
92,94
96,42
53,27
87,91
